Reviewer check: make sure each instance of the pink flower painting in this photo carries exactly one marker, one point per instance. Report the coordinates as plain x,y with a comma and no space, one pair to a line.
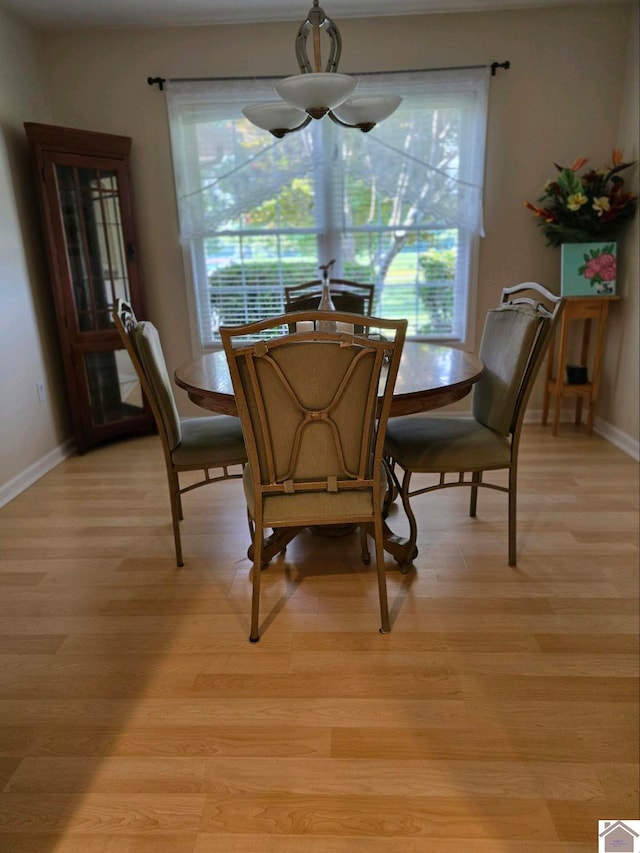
599,268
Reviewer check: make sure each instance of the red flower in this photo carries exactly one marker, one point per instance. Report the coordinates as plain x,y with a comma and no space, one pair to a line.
538,211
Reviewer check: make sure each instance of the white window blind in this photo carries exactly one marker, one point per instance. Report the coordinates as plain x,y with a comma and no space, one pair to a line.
399,206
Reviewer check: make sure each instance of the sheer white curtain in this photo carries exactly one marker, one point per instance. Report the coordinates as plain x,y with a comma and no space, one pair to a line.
386,204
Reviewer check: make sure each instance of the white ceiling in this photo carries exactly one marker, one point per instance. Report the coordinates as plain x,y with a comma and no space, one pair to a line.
60,14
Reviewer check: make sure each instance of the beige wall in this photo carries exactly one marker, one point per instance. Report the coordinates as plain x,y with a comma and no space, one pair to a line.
563,97
30,431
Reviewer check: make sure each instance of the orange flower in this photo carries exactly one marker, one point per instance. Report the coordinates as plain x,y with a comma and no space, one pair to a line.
616,157
578,164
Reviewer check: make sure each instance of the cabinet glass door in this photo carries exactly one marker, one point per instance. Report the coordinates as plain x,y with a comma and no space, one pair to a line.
92,222
97,253
114,388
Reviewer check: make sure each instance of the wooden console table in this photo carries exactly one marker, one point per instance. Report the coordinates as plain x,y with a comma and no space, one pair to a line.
587,308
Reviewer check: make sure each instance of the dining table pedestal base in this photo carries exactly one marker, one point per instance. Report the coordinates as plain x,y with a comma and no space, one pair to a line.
275,544
396,546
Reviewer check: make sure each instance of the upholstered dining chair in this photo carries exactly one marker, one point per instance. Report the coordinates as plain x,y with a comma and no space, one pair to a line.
314,427
346,296
515,339
189,444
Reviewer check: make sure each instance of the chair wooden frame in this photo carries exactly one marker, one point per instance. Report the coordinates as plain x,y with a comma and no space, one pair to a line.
224,428
549,307
337,286
343,487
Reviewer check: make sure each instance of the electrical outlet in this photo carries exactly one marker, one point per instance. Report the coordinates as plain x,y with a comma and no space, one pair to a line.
42,392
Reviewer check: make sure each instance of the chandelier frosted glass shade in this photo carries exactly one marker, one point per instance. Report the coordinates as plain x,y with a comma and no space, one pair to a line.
316,93
367,109
274,116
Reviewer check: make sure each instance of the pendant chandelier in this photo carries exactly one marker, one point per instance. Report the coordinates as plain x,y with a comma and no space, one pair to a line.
314,93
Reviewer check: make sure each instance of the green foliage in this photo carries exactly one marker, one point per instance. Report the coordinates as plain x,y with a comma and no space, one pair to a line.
293,205
439,310
438,264
438,268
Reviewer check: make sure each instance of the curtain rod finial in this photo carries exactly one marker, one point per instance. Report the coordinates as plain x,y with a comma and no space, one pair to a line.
159,80
495,65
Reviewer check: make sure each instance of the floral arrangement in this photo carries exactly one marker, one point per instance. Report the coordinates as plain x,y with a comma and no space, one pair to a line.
587,208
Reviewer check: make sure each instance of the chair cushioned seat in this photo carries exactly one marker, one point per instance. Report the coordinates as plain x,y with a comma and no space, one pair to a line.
320,507
210,442
446,444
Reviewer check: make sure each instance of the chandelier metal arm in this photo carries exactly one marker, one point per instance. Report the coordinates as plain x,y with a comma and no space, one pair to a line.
279,132
365,126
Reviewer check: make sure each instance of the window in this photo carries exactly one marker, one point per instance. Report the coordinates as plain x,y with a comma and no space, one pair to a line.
400,206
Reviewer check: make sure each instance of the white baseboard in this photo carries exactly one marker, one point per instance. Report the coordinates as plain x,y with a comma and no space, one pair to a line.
620,439
26,478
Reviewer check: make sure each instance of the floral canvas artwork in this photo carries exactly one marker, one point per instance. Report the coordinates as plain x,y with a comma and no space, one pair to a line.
588,269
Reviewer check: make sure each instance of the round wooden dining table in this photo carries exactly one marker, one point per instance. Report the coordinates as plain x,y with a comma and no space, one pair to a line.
430,376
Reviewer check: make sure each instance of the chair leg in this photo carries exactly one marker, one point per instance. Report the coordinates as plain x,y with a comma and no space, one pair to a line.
392,491
476,477
255,578
385,625
176,515
512,516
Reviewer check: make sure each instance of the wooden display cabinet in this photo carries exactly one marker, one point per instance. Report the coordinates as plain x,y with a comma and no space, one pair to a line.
86,201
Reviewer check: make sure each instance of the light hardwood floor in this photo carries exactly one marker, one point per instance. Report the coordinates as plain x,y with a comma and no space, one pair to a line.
501,713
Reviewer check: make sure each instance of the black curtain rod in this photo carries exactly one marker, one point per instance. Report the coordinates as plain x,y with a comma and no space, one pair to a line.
160,81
